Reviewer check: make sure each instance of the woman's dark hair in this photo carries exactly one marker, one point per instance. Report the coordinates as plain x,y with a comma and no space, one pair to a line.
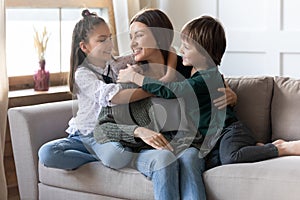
160,26
207,33
81,33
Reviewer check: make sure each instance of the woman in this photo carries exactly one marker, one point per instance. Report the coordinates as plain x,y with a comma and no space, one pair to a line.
174,175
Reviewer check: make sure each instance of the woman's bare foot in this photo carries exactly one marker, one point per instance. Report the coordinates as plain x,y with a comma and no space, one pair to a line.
260,144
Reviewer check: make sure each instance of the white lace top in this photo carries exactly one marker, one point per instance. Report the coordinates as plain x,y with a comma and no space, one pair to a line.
93,93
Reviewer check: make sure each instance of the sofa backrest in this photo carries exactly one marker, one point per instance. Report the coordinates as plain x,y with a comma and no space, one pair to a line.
254,104
286,109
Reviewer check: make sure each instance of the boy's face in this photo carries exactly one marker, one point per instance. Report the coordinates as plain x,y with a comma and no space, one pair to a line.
191,56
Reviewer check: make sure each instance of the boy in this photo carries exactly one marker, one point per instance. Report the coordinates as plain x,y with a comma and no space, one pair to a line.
203,45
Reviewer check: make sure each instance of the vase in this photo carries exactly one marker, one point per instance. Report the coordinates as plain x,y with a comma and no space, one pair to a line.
41,78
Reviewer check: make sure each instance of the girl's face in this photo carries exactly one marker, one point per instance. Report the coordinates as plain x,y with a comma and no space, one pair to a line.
99,47
191,56
143,43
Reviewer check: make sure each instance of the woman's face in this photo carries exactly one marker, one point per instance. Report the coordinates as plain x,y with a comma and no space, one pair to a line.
99,47
143,43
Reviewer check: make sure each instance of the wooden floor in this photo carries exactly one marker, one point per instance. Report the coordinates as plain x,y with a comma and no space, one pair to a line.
10,170
13,194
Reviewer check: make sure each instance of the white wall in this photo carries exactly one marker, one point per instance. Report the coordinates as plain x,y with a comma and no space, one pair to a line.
263,36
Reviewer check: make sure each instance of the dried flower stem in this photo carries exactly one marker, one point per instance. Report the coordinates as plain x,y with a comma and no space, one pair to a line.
40,43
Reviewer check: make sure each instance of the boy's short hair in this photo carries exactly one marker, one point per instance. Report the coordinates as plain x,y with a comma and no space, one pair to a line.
207,33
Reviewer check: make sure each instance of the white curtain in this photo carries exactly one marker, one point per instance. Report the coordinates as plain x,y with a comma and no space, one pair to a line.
3,100
124,10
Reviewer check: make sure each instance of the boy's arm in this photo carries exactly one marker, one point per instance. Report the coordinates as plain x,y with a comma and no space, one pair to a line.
168,90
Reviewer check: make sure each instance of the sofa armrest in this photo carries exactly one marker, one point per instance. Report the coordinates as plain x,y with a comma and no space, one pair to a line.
31,127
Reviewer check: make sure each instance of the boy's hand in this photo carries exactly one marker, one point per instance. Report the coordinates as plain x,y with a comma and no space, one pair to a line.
138,68
126,75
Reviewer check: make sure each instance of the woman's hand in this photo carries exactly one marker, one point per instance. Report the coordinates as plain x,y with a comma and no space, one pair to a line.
229,97
152,138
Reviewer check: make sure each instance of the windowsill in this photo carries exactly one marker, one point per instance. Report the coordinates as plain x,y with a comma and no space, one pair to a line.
28,97
31,92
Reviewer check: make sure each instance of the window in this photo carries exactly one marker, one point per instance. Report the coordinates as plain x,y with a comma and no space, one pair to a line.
59,18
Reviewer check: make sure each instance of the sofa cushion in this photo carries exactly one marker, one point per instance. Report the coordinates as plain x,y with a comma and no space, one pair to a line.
286,109
53,193
254,104
275,179
97,179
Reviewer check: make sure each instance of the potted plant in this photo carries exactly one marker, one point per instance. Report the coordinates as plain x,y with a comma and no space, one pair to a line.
42,76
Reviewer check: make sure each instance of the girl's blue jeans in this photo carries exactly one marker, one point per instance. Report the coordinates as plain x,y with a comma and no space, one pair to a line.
74,151
173,177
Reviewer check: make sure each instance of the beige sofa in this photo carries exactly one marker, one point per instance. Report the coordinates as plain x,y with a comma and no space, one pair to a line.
270,106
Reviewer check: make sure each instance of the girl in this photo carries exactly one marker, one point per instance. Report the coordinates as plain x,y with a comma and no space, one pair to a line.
91,80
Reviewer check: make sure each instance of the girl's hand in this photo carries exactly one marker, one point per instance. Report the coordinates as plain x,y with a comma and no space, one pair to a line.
229,97
152,138
126,75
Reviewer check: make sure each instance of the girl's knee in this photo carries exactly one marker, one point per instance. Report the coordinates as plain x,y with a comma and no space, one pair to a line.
52,153
47,153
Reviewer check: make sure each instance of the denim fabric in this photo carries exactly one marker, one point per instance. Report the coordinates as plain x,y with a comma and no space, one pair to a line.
173,177
238,145
74,151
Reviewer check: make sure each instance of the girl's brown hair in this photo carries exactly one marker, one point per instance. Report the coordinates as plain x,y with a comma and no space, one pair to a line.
160,26
207,33
81,33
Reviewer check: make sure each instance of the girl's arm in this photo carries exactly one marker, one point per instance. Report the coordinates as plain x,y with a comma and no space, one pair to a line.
129,95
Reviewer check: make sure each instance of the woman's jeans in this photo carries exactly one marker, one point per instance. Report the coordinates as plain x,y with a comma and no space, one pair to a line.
74,151
173,177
